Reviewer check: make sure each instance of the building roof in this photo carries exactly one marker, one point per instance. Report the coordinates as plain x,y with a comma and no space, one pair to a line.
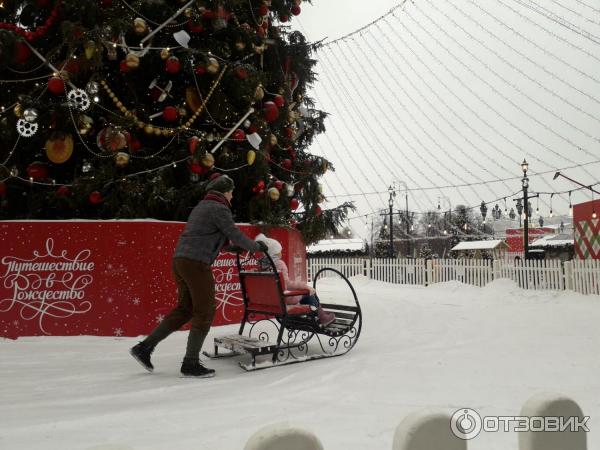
554,240
480,245
327,245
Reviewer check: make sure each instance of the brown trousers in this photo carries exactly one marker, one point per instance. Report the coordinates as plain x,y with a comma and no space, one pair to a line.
196,302
196,296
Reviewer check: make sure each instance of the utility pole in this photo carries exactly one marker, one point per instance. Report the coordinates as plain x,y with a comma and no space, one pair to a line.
391,204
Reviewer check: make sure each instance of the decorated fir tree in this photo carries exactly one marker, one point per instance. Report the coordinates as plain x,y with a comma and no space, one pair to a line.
119,109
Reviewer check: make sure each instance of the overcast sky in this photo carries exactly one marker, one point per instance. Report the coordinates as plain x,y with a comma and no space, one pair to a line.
434,98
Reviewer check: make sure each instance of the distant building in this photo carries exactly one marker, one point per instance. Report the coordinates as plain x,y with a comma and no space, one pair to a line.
555,246
337,247
495,249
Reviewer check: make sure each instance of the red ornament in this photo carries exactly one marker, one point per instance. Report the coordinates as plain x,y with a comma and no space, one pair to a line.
123,67
288,132
173,65
294,203
270,112
2,189
263,10
252,129
193,144
170,114
238,135
37,171
296,10
106,3
95,198
284,18
134,143
279,100
200,70
292,152
195,27
279,185
63,191
318,211
286,164
260,185
56,85
241,73
197,168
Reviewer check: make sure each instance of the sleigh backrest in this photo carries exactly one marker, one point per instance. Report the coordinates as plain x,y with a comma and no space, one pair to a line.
264,293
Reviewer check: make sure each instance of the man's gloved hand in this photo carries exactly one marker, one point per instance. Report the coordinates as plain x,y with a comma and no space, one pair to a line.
263,247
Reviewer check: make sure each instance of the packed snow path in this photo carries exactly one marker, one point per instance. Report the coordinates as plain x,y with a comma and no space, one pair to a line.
447,346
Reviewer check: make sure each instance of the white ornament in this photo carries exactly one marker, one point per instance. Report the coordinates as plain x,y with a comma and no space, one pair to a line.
26,129
79,98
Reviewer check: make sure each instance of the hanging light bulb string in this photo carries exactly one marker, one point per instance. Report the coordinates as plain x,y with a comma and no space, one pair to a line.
139,14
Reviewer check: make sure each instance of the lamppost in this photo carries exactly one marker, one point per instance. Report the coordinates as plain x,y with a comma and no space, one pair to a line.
391,204
408,221
483,210
525,184
449,210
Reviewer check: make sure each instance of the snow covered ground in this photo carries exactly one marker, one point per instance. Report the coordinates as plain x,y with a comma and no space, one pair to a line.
447,346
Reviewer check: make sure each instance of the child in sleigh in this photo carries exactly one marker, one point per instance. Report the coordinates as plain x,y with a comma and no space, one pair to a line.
274,250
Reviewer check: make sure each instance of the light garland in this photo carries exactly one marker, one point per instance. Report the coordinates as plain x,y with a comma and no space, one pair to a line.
152,129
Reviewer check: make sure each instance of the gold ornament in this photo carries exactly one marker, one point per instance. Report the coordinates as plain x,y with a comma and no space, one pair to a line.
132,61
89,49
259,93
272,139
325,165
149,129
140,26
189,12
18,110
240,45
212,66
207,160
165,53
59,147
259,49
250,157
274,194
84,124
121,159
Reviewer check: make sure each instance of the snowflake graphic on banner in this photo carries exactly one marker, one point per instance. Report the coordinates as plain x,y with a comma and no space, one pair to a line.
587,239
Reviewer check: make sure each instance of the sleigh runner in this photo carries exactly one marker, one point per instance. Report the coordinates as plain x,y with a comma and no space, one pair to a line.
272,333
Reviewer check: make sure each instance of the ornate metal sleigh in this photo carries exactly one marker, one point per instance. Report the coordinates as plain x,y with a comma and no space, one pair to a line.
272,333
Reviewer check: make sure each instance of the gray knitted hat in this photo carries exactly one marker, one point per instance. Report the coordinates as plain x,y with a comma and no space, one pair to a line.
221,184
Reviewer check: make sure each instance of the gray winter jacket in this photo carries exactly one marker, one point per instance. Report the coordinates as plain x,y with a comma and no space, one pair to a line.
209,226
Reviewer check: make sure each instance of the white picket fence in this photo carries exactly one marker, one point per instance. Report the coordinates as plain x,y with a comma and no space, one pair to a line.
581,276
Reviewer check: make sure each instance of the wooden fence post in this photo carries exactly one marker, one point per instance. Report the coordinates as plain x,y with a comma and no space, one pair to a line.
568,275
549,405
282,436
427,430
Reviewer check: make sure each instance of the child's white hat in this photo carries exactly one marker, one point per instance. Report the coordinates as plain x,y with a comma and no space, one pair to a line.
273,246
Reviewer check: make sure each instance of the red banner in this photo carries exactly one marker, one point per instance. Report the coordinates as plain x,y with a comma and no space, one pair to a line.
107,278
586,225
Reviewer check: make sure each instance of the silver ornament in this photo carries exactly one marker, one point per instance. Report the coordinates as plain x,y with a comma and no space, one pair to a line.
14,172
247,123
92,87
79,99
30,115
86,167
26,129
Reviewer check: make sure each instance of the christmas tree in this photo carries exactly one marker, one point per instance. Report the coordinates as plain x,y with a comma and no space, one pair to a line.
119,109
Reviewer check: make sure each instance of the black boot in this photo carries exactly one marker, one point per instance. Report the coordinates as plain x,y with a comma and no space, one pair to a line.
191,367
141,352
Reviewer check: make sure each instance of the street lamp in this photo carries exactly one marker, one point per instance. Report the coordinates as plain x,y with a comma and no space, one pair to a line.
439,207
525,185
391,204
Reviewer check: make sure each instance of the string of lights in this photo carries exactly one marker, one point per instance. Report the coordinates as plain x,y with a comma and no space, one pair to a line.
588,6
407,94
541,48
550,32
499,93
572,11
523,73
559,20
